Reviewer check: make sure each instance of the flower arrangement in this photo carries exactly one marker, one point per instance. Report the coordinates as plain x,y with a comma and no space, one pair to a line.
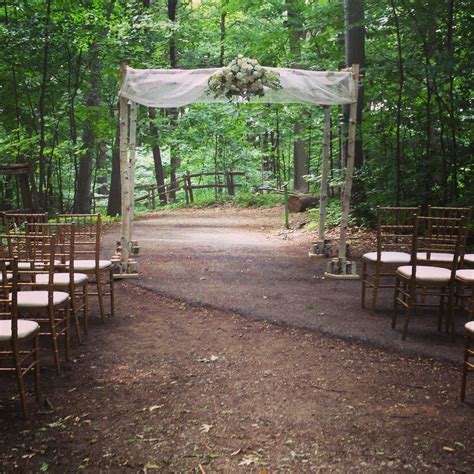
243,78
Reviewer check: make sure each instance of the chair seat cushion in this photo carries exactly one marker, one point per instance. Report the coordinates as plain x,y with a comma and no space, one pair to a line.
9,277
25,328
435,257
466,276
38,265
39,299
62,279
89,265
469,327
425,273
469,258
388,257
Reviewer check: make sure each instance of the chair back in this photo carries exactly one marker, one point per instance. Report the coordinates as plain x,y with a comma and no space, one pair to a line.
64,243
438,235
454,212
87,234
35,255
395,228
15,222
9,286
451,212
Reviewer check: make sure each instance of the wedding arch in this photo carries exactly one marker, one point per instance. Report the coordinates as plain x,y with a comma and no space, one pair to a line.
168,88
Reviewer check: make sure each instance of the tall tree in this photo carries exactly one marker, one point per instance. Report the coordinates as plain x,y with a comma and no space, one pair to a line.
173,113
300,152
355,54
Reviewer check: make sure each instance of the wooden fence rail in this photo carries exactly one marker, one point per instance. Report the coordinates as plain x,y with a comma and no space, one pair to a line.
185,183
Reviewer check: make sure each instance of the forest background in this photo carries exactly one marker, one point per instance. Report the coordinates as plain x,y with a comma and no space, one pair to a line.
59,81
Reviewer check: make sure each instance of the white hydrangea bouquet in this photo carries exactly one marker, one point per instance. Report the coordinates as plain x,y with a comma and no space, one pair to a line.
243,78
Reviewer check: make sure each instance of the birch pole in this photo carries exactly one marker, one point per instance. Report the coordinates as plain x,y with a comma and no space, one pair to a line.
132,164
124,177
323,194
346,196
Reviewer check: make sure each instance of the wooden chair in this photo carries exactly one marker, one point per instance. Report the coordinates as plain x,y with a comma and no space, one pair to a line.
416,282
15,222
88,228
394,237
465,282
445,258
65,277
468,366
16,333
46,306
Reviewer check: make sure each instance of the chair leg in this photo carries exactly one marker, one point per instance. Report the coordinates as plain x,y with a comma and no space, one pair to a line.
408,313
100,296
441,311
54,340
467,343
37,368
450,317
364,276
75,315
67,334
21,385
85,308
471,304
375,289
395,302
112,296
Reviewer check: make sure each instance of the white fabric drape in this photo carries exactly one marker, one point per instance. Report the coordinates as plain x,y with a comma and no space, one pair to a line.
178,87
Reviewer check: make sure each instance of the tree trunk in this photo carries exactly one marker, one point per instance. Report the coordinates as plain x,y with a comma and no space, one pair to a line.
355,54
299,203
300,161
401,83
222,39
83,198
158,163
296,34
173,113
42,112
113,205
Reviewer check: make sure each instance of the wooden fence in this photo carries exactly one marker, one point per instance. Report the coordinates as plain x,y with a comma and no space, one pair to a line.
152,191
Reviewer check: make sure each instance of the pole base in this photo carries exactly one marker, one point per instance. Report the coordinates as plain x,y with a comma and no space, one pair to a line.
341,269
121,271
321,248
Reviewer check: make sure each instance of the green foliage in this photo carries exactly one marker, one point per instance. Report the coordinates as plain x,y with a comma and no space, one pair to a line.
333,214
59,85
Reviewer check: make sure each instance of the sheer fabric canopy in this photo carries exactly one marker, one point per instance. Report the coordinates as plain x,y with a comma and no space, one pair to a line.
178,87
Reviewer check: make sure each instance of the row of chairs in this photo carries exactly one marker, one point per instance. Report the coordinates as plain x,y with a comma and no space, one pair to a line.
423,258
46,270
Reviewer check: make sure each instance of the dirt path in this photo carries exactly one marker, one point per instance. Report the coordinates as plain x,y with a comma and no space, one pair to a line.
239,260
170,387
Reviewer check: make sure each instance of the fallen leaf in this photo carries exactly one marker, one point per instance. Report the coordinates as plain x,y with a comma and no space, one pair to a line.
448,449
155,407
205,428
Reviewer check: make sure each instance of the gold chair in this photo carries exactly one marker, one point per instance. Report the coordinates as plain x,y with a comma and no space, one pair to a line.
88,228
394,236
431,235
65,277
46,306
15,222
445,258
465,281
16,333
468,366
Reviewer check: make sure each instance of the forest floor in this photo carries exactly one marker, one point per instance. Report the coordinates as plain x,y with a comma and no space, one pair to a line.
231,353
